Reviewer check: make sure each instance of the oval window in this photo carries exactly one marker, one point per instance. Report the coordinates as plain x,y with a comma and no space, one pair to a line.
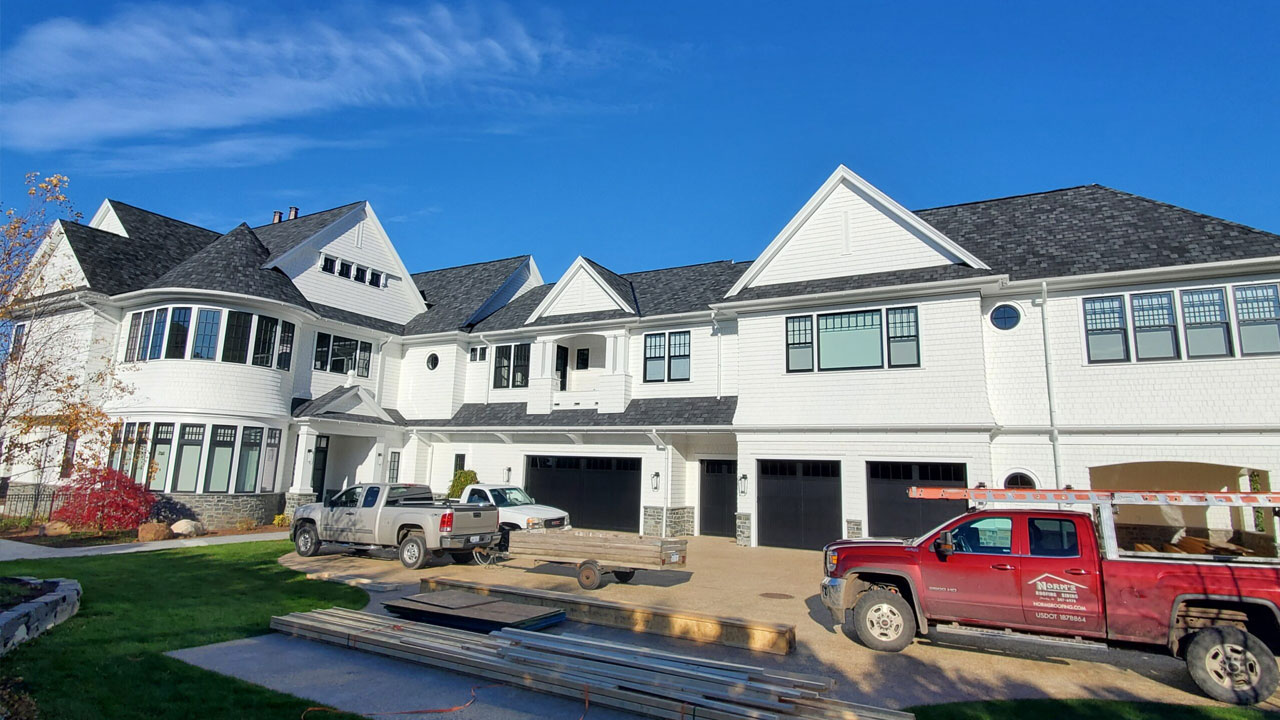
1005,317
432,361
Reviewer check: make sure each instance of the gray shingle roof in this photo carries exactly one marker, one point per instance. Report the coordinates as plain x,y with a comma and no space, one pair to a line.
284,236
859,282
1093,229
456,293
619,284
640,413
233,263
302,407
156,244
354,318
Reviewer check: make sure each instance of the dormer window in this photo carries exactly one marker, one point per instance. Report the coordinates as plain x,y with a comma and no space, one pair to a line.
328,264
344,269
375,278
361,274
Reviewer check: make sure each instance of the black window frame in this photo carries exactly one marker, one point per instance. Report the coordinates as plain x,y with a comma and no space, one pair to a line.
217,441
649,347
671,354
913,337
179,331
264,341
284,349
238,330
797,337
459,461
1147,311
1122,330
502,367
205,332
348,359
364,358
250,437
393,466
433,361
144,336
190,434
582,359
159,327
1242,321
320,359
817,345
1018,476
135,331
520,360
1224,325
162,435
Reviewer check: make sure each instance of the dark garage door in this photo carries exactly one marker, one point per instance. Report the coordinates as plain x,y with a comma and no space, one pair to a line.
892,514
598,493
798,503
718,498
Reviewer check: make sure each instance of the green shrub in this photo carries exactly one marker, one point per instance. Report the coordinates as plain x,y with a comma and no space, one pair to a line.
282,520
461,479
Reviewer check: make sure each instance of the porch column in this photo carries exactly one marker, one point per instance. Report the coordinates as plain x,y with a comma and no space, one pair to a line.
299,491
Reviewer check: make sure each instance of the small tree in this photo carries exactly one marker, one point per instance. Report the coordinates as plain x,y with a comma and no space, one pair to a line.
103,499
461,479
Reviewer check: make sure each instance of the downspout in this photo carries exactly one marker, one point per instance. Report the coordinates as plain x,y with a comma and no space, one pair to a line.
1048,376
666,507
382,363
715,328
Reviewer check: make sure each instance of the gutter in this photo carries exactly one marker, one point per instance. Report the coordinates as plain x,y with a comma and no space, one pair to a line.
1146,275
945,287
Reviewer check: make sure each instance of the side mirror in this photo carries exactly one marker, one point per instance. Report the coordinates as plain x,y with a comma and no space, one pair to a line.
944,545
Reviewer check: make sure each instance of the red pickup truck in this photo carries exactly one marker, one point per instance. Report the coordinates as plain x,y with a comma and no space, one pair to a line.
1053,573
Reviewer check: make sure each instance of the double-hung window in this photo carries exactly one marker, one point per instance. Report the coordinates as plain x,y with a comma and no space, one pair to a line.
850,341
1106,334
235,346
264,341
502,367
1258,314
135,330
284,355
322,351
205,346
328,264
655,357
144,338
678,349
157,334
1207,327
1155,326
520,366
904,337
510,366
363,357
179,327
342,355
800,343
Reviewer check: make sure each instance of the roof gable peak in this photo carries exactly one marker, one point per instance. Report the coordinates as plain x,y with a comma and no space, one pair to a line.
587,286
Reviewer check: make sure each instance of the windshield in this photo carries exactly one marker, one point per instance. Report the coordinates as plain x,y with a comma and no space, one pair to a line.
510,497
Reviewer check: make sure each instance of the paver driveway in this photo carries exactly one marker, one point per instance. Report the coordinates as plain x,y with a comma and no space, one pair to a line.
781,585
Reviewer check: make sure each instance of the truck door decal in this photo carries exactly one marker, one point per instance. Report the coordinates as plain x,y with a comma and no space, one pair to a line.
1055,593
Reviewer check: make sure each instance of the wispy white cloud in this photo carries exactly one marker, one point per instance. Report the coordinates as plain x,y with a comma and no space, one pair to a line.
239,150
165,76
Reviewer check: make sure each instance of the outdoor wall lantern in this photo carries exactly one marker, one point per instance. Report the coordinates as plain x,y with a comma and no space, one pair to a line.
655,480
742,484
508,474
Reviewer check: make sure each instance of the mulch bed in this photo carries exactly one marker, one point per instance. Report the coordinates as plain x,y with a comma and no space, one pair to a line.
90,538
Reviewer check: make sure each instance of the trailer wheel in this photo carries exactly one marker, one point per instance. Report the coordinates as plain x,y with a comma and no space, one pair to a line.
882,620
463,558
1232,666
307,541
624,576
589,575
413,550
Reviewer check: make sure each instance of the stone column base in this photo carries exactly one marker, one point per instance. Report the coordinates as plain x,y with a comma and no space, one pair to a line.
293,501
679,521
853,528
743,534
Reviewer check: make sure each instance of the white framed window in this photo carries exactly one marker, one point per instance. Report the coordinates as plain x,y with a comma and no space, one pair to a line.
1258,316
1205,323
1155,326
1106,332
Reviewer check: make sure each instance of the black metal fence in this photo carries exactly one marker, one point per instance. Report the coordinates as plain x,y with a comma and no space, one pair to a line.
30,506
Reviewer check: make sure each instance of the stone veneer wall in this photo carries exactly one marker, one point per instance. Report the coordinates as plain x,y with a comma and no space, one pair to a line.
853,528
743,525
293,501
679,521
215,510
652,524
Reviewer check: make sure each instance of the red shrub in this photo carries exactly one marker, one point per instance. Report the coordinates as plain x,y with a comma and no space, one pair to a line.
103,499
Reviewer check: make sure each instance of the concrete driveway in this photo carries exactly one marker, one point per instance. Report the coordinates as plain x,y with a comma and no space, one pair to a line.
780,585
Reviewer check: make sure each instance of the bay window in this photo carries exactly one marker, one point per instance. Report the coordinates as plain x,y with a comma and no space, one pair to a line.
222,446
179,326
264,341
157,334
235,346
205,346
187,468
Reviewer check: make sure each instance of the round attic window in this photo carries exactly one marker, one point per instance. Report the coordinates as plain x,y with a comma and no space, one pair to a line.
1005,317
433,360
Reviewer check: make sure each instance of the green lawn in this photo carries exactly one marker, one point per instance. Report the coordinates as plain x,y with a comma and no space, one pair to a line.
1082,710
108,660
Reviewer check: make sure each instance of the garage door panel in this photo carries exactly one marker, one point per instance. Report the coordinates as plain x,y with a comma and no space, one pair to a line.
892,514
598,493
798,503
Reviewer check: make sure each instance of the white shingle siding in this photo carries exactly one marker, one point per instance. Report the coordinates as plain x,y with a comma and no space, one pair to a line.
431,394
702,361
211,386
848,235
582,293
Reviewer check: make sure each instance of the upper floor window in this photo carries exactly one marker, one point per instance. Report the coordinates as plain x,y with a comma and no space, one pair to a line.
235,345
1105,330
264,340
854,340
284,352
1258,312
655,357
179,328
678,350
850,341
206,341
344,269
361,274
1155,327
168,333
375,278
337,354
667,356
1204,312
351,271
19,334
511,366
800,343
904,337
479,353
328,264
584,359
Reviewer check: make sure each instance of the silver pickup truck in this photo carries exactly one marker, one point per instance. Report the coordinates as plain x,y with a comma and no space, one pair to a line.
406,517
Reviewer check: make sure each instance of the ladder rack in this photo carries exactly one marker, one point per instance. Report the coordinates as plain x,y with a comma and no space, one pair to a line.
1099,497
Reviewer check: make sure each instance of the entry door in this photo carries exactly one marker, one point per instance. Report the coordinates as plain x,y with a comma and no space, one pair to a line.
980,581
562,366
320,460
718,498
1059,576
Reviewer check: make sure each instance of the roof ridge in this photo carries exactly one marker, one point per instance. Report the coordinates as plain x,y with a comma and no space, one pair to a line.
1013,197
678,267
480,262
166,217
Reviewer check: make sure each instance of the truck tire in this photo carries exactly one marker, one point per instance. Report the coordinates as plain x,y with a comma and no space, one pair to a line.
464,558
1232,666
882,620
589,575
306,541
413,550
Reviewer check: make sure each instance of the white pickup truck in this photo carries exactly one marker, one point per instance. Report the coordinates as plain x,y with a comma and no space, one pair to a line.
516,510
406,517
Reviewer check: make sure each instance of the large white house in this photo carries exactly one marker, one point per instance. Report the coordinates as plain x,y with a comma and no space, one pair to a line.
1083,337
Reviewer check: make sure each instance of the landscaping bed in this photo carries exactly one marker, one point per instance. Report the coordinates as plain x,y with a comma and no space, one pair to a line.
112,537
138,606
14,591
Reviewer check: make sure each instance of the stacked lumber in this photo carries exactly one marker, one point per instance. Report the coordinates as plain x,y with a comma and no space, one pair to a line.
626,677
610,549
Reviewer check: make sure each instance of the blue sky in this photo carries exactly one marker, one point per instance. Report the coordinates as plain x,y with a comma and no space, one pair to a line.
639,134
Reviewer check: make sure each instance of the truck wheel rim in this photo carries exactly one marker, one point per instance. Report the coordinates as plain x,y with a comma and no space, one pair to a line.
884,622
304,542
411,552
1232,667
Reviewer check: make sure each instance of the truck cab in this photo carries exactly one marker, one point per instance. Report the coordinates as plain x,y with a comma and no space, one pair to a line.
516,510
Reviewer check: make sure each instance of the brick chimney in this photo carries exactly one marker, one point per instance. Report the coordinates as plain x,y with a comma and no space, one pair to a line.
275,216
293,213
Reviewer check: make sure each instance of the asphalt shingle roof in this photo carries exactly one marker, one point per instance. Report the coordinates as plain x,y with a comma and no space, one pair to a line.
641,413
616,282
456,293
1093,229
354,318
892,278
233,263
284,236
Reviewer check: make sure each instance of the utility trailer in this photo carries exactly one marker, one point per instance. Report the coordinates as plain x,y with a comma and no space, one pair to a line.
1041,571
593,553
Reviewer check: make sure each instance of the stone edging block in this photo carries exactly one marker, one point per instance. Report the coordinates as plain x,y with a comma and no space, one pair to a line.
23,622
